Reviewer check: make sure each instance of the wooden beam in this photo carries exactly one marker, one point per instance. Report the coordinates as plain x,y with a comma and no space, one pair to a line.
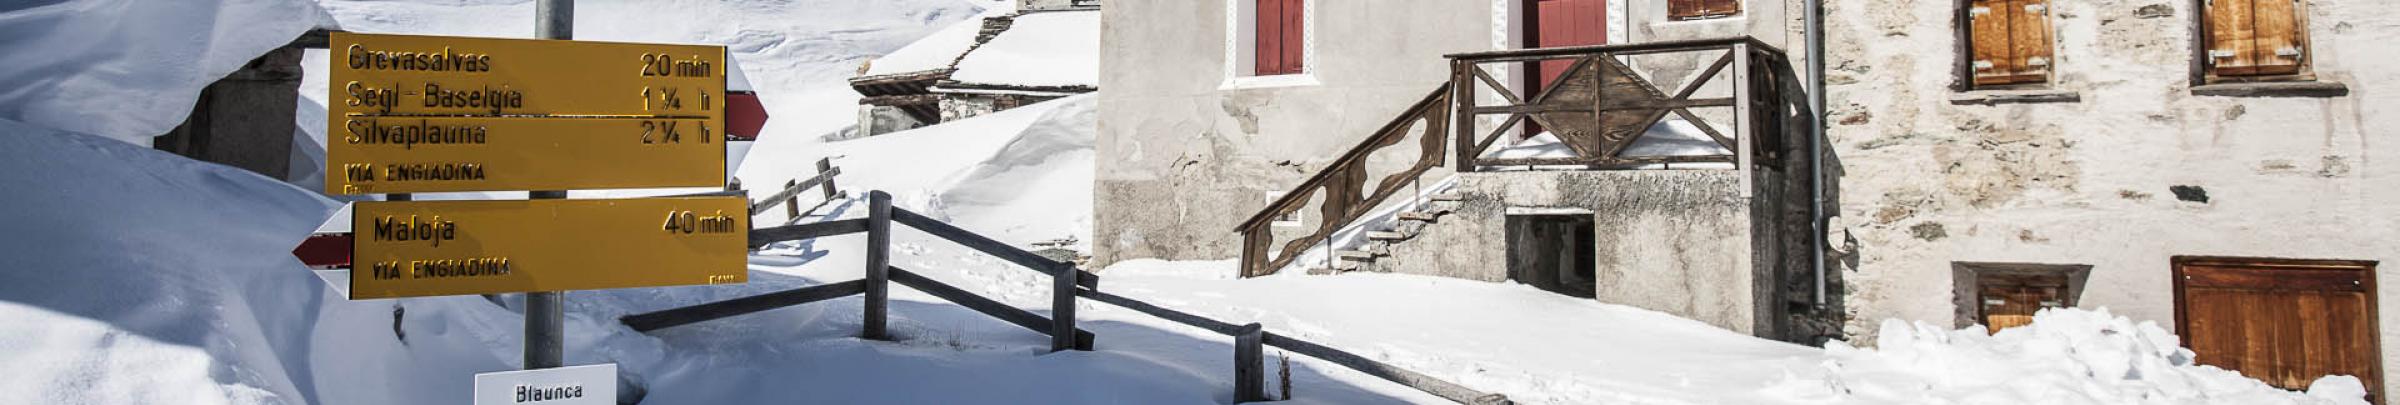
824,176
1197,321
1421,382
650,321
879,251
1062,309
1249,365
986,245
1011,314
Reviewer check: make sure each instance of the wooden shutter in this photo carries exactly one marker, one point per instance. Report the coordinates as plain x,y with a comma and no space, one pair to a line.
2231,50
2029,34
1685,9
1698,9
2009,41
2277,49
1269,48
1279,46
1292,35
1722,7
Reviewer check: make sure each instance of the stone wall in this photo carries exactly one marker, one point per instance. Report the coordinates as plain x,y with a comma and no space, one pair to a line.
2134,171
245,119
1674,241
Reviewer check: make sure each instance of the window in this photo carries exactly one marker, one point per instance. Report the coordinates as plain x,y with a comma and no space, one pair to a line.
1279,36
1684,10
2008,42
2006,295
2253,39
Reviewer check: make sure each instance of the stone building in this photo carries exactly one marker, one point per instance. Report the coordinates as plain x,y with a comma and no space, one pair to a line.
2189,162
1037,51
2169,160
1321,136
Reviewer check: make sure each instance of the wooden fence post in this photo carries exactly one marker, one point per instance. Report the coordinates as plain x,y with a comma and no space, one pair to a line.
792,205
1249,364
1062,308
879,275
825,165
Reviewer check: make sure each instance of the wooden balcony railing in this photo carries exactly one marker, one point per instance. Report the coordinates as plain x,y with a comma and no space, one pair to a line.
1601,108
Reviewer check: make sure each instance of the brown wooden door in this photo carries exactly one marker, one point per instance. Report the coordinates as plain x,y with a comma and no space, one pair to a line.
2282,321
1558,23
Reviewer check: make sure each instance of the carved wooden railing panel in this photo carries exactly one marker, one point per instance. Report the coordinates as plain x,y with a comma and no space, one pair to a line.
1601,104
1340,192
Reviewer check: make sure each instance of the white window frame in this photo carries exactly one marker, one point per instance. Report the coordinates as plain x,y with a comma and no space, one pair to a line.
1241,48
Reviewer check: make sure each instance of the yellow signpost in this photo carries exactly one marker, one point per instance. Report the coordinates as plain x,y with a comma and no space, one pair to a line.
432,248
430,114
428,154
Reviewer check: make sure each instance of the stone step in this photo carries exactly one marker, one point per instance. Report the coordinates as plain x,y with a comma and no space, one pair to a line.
1355,255
1387,236
1421,216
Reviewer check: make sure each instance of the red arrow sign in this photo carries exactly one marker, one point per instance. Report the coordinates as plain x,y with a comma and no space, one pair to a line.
325,251
744,115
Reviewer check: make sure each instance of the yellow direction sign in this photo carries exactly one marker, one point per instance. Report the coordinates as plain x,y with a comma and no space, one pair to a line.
430,154
379,74
430,114
432,248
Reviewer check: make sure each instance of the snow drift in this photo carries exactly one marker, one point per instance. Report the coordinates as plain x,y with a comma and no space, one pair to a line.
127,69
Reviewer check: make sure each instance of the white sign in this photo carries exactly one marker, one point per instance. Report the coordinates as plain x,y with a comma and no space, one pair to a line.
579,385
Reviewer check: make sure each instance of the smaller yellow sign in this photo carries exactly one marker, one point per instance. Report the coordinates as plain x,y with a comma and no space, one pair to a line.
435,248
368,154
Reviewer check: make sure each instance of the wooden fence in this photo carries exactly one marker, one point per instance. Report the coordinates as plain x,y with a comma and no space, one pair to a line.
789,197
1069,284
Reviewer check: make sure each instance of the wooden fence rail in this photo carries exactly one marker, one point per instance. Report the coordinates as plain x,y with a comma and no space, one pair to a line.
1248,364
1011,314
651,321
789,197
1069,284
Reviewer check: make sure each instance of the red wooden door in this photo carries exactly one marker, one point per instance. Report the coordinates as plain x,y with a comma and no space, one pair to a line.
1560,23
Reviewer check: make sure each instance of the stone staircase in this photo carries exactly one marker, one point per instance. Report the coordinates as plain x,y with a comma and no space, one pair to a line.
1382,238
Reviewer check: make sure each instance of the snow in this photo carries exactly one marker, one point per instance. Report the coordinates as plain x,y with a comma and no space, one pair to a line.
934,52
1021,176
131,70
1058,48
137,276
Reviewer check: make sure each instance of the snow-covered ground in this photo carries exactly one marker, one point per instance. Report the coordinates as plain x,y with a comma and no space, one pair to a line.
132,276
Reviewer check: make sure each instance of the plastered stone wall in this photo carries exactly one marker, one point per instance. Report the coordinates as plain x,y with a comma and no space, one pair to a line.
1674,241
1927,181
1184,156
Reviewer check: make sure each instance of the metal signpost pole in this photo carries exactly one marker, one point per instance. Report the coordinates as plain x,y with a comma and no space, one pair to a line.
545,320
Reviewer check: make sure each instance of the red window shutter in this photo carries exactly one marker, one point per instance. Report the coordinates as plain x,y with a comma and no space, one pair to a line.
1293,32
1268,58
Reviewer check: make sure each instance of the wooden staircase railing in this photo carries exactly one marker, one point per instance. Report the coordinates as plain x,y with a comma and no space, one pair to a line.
1342,186
1743,99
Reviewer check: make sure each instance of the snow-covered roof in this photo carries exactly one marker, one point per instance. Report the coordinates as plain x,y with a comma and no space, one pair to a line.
1045,49
934,52
131,72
